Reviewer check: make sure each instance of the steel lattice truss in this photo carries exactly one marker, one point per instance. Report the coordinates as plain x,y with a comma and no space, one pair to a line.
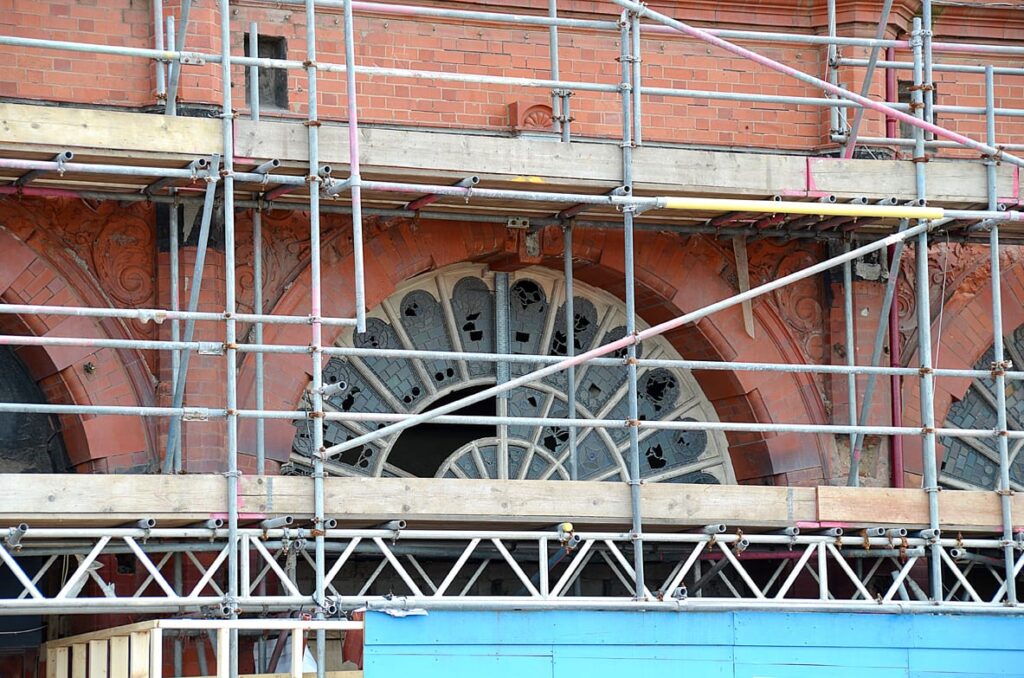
877,570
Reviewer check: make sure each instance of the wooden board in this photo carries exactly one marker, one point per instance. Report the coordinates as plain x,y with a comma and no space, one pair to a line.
58,128
109,499
426,500
79,663
139,661
958,509
98,659
119,666
52,500
507,162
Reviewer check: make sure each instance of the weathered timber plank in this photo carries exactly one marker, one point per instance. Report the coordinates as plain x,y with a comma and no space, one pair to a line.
83,128
45,500
108,499
583,166
438,155
947,180
423,499
958,509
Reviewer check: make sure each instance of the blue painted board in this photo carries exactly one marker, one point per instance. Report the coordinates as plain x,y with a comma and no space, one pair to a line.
583,644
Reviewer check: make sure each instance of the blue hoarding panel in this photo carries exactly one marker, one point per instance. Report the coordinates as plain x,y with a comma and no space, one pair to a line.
745,644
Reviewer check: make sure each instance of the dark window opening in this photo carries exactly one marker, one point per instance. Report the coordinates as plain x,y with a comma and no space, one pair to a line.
273,81
422,449
905,95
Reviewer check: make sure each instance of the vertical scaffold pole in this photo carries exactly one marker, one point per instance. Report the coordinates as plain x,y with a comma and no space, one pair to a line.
999,365
170,107
851,378
926,46
178,42
502,370
175,275
570,346
316,310
178,396
869,74
158,37
556,94
174,451
637,95
628,213
353,151
831,53
230,338
257,259
924,332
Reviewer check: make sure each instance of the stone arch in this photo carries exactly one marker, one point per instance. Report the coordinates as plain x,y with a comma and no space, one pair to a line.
674,275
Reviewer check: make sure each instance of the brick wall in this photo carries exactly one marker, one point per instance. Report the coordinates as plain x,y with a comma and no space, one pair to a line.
454,47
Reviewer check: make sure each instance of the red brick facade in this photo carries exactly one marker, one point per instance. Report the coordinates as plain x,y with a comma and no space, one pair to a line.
43,264
586,56
63,251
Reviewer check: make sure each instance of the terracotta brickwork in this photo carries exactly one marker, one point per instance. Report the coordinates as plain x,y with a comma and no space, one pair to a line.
75,253
669,61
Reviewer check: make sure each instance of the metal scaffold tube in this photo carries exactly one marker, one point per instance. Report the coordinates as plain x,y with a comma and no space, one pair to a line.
257,262
316,297
851,377
556,95
924,322
502,369
175,304
178,43
355,179
865,91
230,334
999,363
178,397
918,122
158,43
628,211
570,347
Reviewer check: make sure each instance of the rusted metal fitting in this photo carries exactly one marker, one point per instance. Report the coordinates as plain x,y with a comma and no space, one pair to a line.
312,123
1000,368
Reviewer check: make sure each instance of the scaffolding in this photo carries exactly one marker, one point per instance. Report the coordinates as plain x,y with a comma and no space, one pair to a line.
249,555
